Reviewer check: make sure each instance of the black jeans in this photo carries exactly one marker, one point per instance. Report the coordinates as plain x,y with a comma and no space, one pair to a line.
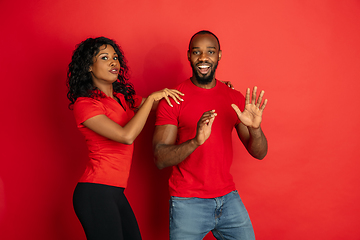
104,212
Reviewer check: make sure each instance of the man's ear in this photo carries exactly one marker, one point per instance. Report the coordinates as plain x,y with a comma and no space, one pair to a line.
220,54
188,55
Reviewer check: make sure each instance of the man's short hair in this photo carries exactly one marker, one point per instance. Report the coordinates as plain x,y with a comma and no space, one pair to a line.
204,32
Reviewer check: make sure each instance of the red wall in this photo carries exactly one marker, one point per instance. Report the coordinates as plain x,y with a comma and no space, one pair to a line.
305,54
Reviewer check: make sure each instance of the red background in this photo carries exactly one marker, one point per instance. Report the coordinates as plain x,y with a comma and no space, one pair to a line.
304,54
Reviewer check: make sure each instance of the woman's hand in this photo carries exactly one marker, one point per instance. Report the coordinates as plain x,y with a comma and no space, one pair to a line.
228,83
167,94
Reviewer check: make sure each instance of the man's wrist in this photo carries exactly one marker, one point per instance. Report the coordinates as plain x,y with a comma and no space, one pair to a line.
194,142
255,131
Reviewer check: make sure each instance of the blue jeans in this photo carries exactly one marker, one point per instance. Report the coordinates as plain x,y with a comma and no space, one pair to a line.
226,217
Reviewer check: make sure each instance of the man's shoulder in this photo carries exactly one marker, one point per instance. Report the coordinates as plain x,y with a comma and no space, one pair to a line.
184,84
229,90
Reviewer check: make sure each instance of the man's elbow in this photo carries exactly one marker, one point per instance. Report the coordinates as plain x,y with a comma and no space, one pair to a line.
157,156
260,156
160,165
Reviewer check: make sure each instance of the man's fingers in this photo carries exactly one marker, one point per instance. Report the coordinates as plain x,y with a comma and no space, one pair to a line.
209,113
206,119
247,97
236,108
260,99
264,105
211,121
207,116
253,99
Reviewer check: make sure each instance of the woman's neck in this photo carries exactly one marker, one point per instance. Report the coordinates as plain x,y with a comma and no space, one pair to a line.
107,89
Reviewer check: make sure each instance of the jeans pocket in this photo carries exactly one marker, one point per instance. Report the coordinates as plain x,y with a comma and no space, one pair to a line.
180,198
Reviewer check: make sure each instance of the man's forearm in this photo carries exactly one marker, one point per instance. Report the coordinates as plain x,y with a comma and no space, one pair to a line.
171,155
257,145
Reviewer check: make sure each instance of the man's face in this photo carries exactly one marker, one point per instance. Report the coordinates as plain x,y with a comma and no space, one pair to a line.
204,55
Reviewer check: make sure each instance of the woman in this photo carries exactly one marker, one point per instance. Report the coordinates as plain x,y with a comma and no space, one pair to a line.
104,103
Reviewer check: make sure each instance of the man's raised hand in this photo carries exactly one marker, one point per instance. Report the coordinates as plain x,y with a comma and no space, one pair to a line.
252,114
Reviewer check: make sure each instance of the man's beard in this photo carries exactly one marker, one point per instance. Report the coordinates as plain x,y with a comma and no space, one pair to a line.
204,79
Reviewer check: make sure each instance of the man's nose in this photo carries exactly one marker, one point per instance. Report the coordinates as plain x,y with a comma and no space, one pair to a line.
203,57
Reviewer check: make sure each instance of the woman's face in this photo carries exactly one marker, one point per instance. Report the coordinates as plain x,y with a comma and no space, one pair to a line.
105,67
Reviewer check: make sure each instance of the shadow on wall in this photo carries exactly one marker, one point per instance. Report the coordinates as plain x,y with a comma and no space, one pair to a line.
163,68
68,149
2,200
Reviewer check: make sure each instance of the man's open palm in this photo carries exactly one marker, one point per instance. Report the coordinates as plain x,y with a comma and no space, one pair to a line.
252,114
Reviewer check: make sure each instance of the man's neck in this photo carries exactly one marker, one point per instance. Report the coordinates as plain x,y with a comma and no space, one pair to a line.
205,86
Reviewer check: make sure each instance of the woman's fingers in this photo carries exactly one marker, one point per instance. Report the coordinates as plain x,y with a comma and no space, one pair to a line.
174,94
168,100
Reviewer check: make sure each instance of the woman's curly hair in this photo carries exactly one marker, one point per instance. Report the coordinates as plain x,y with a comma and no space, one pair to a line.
79,79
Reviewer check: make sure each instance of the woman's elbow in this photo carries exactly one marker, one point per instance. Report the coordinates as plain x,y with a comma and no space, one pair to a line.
128,140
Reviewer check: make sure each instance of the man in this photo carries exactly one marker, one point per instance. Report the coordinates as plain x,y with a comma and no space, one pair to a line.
194,137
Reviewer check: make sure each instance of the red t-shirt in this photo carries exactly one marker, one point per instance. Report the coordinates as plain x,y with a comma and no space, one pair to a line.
110,161
206,172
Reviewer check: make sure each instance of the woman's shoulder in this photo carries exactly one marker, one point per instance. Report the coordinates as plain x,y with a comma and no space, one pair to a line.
81,100
87,102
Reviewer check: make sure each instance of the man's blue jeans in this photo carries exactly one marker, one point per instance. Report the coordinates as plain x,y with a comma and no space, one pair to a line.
226,217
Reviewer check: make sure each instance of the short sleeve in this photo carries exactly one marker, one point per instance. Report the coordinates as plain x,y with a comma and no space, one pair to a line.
85,108
166,114
240,102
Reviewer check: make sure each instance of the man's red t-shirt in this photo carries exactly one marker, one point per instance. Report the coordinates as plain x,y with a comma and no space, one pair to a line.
206,172
110,161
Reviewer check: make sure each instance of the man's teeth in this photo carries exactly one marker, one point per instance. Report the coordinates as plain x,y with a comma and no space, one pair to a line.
203,66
